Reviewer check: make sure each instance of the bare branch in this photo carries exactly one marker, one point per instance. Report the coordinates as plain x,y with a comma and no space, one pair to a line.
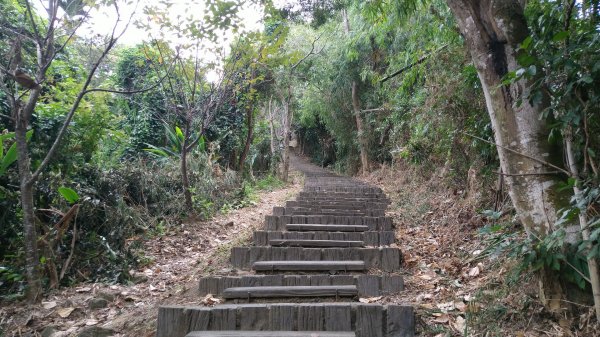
127,92
33,24
70,36
311,52
111,42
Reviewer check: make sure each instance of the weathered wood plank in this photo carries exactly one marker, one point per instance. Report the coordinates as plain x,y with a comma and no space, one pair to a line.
308,265
368,285
283,317
338,317
328,228
254,317
310,317
369,321
391,284
400,321
290,291
223,318
316,243
271,334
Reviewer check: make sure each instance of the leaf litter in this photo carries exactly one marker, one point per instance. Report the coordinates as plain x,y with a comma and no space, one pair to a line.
452,285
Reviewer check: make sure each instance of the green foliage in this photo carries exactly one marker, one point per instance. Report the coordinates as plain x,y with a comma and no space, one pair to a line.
69,194
269,183
10,156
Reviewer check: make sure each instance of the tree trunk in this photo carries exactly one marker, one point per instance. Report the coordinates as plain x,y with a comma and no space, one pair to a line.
285,157
32,261
185,181
273,136
271,126
583,219
493,30
250,125
362,138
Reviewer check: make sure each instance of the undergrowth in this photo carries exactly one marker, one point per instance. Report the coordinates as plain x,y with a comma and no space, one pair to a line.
121,207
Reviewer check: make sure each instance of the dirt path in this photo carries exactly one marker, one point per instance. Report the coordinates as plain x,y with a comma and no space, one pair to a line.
178,257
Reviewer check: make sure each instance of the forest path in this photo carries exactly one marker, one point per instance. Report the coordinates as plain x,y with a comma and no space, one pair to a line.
314,269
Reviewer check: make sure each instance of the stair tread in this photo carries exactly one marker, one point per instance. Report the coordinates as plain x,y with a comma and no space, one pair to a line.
271,334
328,228
315,243
308,265
290,291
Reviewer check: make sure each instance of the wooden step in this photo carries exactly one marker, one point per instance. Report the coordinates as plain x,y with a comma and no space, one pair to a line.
308,265
366,320
370,238
291,291
271,334
327,228
367,285
279,222
385,258
316,243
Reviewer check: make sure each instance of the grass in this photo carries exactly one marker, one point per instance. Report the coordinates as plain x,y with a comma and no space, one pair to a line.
269,183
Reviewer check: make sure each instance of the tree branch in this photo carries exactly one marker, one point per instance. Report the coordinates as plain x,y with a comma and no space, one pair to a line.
518,153
527,174
419,61
127,92
33,24
311,52
111,42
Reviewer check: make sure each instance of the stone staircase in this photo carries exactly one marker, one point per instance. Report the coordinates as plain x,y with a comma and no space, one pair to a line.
307,270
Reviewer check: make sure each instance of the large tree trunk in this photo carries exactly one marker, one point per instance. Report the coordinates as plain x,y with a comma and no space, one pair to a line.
363,143
493,30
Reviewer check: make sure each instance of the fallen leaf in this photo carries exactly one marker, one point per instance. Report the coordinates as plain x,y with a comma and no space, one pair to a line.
209,300
49,305
370,299
460,305
442,319
448,306
91,322
83,290
459,324
474,271
65,312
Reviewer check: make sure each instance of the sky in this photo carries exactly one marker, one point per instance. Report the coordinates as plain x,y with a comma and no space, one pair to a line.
101,22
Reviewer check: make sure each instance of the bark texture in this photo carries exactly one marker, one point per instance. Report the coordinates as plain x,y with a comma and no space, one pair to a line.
249,137
287,121
32,264
363,143
185,180
493,30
